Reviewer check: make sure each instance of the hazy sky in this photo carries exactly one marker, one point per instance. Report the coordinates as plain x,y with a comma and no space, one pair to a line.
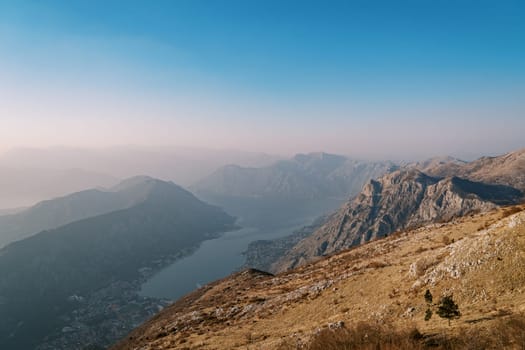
381,78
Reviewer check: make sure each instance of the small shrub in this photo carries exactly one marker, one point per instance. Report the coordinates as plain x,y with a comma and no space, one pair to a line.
509,211
428,314
367,337
505,333
375,264
448,309
415,334
428,297
421,249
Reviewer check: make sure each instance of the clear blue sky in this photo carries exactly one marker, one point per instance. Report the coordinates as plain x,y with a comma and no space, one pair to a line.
358,77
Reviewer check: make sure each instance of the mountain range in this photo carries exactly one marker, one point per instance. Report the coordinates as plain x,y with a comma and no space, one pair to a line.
183,165
400,200
71,267
60,211
305,176
416,194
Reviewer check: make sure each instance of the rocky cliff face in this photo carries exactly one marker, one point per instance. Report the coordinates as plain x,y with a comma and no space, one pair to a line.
399,200
507,169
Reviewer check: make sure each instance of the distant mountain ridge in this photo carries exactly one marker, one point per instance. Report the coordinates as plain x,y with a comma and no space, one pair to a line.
25,185
60,211
182,165
437,189
310,176
507,169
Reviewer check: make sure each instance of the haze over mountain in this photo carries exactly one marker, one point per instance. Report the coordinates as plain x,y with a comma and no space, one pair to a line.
408,198
305,176
183,165
228,99
45,277
57,212
24,185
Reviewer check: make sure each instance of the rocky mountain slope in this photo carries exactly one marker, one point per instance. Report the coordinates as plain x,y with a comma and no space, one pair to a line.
45,279
60,211
399,200
507,169
309,176
478,259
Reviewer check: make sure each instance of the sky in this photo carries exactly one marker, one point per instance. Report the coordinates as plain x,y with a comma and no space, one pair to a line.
367,78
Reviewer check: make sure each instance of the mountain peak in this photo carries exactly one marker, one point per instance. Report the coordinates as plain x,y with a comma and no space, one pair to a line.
134,181
407,174
507,169
318,156
305,176
60,211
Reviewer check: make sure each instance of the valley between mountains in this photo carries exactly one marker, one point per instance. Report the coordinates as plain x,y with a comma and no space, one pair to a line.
262,175
365,270
73,267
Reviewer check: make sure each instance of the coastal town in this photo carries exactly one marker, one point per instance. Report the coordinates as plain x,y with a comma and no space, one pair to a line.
98,320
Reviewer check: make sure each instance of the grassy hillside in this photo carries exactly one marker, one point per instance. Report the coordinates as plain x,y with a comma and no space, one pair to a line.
375,289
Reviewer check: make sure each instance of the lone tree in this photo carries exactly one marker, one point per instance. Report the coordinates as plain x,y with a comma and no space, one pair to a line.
448,309
428,314
428,297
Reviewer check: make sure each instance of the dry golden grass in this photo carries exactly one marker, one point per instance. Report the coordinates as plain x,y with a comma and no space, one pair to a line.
507,333
379,285
511,210
363,336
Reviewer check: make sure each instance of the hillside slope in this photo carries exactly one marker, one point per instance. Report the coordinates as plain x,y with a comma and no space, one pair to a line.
479,259
507,169
43,277
53,213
